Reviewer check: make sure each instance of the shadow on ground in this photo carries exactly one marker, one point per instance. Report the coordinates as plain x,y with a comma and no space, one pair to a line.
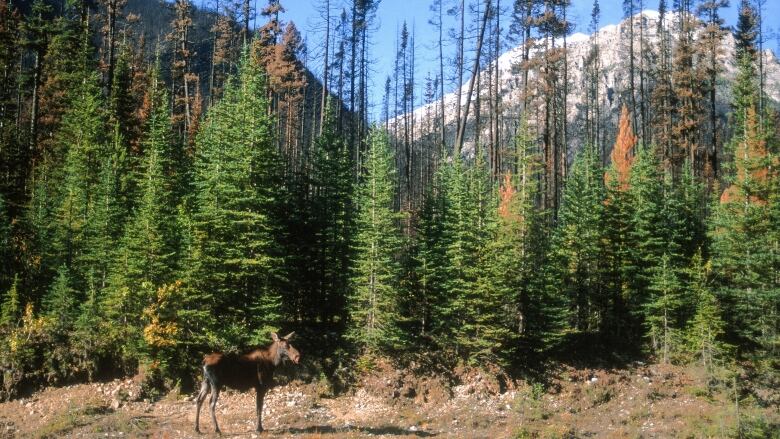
384,430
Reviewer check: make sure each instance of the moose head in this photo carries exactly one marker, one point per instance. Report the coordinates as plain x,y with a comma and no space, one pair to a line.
284,348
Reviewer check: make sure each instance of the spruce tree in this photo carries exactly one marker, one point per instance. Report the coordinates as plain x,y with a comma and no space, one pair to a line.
619,268
741,226
740,232
150,240
647,231
374,304
429,258
6,258
543,313
60,310
530,315
706,327
11,308
91,337
82,137
106,214
236,184
577,249
147,257
465,231
483,332
332,206
663,307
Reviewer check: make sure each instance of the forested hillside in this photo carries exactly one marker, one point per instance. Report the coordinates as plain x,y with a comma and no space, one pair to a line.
161,198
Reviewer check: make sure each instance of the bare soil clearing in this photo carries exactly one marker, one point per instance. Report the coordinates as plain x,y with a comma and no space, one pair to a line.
642,401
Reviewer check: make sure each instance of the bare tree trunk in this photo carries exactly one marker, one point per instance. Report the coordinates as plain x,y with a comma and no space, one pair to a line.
37,66
352,69
564,112
245,30
497,96
761,77
112,11
632,86
324,97
461,62
642,91
213,55
441,76
462,126
410,165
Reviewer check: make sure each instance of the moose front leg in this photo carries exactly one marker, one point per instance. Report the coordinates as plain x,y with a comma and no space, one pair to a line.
260,395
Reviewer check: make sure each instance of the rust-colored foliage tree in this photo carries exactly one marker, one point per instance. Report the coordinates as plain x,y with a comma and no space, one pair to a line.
277,53
750,161
180,69
225,51
506,193
623,152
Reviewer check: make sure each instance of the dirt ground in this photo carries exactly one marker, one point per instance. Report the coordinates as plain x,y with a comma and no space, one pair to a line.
644,401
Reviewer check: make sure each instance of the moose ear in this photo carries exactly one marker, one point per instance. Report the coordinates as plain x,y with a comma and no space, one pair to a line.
274,337
289,336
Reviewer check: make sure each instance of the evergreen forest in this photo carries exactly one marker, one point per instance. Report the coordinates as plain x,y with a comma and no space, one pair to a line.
179,183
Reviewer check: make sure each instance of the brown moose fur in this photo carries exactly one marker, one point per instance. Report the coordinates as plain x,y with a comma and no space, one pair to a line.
254,369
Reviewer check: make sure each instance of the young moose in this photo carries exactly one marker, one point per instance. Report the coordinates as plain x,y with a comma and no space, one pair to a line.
255,369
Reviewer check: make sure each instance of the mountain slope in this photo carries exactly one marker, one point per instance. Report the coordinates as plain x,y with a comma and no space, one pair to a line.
613,84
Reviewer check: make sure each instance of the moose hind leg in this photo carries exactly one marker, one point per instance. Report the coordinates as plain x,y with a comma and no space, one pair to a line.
204,391
260,395
213,406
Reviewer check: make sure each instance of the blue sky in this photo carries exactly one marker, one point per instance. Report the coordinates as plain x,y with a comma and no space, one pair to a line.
392,13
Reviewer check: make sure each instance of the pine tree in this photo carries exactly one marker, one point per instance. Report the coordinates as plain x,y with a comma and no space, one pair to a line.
67,57
36,29
662,96
236,185
12,152
374,305
710,48
184,81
